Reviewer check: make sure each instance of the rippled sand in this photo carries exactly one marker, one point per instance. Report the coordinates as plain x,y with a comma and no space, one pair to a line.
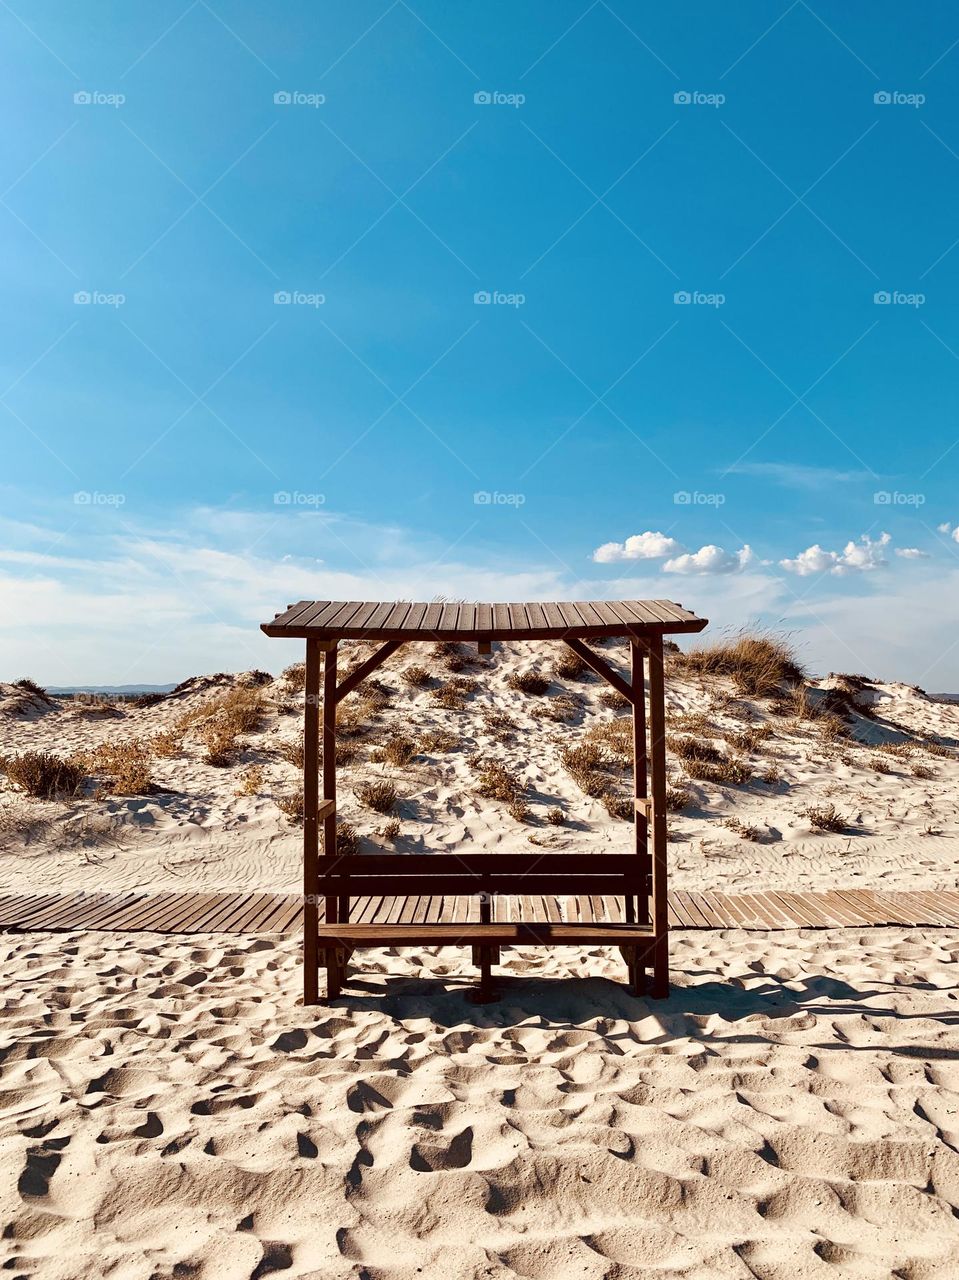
169,1109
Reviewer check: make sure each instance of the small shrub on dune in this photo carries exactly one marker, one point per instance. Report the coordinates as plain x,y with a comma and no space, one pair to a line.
614,700
292,806
346,752
292,753
750,739
519,811
452,694
398,750
570,666
881,764
616,736
43,775
759,666
251,781
618,806
826,818
727,769
124,767
694,749
439,741
744,830
556,817
378,794
166,744
416,676
390,830
697,722
923,771
937,749
530,682
563,709
220,742
31,686
294,677
347,841
497,783
677,798
771,776
498,723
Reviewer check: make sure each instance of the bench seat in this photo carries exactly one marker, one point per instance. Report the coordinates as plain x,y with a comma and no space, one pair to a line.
497,933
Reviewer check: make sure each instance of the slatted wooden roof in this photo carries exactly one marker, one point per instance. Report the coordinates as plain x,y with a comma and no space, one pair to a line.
402,620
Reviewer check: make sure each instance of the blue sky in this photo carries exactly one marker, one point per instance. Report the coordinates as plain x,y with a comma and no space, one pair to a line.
184,453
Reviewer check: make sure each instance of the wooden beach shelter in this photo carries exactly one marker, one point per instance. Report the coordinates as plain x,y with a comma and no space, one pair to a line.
450,899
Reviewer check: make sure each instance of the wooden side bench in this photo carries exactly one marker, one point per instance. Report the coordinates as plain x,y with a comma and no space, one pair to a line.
484,877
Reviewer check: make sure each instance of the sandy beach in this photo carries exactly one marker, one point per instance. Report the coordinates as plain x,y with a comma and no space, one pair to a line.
169,1108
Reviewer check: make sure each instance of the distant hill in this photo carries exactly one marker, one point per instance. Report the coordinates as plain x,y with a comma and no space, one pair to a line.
126,690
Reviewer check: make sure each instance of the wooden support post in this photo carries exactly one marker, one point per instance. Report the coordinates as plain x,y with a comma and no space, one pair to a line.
484,646
311,795
640,812
329,768
657,743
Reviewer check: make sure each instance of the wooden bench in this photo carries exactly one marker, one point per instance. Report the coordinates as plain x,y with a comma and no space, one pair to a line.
481,878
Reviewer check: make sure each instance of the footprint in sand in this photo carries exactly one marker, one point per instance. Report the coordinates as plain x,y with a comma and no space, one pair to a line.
434,1158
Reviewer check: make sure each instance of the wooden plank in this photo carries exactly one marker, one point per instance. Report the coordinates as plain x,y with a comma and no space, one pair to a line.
311,821
479,864
535,617
402,935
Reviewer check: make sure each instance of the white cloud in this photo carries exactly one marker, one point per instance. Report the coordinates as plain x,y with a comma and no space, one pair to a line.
912,553
948,529
641,546
710,559
861,556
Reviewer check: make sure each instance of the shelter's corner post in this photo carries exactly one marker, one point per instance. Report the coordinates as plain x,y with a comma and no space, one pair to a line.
657,761
311,782
337,910
637,963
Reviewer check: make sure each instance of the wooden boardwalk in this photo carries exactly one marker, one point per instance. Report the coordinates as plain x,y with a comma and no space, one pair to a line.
283,913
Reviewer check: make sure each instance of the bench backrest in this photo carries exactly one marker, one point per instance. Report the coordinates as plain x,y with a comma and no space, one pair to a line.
558,874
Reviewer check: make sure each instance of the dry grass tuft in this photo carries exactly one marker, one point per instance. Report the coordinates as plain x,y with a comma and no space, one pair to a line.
727,769
758,665
744,830
123,766
166,744
519,811
31,686
416,676
528,682
923,771
618,806
826,818
292,752
563,709
452,694
751,739
616,737
347,841
771,776
937,749
570,666
556,817
294,677
498,723
677,798
390,830
614,700
439,741
43,775
292,806
251,781
496,782
693,749
398,750
378,794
